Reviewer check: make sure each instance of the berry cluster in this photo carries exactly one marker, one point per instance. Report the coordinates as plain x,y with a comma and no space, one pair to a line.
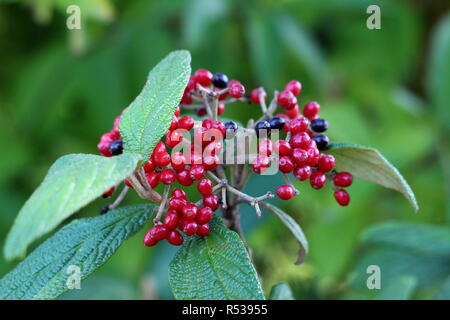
207,94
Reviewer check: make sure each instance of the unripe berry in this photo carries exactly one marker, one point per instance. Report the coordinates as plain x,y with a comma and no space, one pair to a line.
236,90
190,228
313,156
108,193
286,99
299,156
171,220
158,233
311,109
265,147
175,238
294,86
283,148
203,77
128,183
184,178
300,140
186,123
196,172
177,204
285,192
173,124
211,201
149,166
302,173
173,138
159,148
342,197
203,230
205,187
161,159
204,215
179,194
153,179
285,164
220,109
103,145
201,112
298,125
343,179
317,180
293,113
326,163
189,211
261,164
210,162
167,176
254,95
178,161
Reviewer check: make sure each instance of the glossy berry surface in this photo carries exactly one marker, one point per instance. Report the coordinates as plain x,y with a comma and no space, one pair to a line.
294,86
285,192
277,123
175,238
343,179
203,77
236,90
342,197
262,127
220,80
326,163
321,140
255,94
319,125
311,109
205,187
116,147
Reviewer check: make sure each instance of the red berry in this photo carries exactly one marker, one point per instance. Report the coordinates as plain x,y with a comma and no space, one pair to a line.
342,197
186,123
159,148
311,109
177,112
302,173
294,86
204,215
167,176
210,162
286,99
153,179
173,138
298,125
175,238
158,232
178,161
317,180
211,201
177,204
161,159
285,164
285,192
189,211
103,145
200,111
148,241
300,140
265,147
261,164
205,187
109,192
326,163
184,178
283,148
343,179
186,99
299,156
220,109
313,156
254,95
128,183
196,172
171,220
190,228
179,194
293,113
203,230
204,77
236,90
149,166
174,123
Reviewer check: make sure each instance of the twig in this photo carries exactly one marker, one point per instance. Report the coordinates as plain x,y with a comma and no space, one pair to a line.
289,182
162,206
224,197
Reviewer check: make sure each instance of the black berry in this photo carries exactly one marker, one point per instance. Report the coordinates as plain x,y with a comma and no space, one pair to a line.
321,140
319,125
230,128
104,210
262,125
220,80
116,147
277,123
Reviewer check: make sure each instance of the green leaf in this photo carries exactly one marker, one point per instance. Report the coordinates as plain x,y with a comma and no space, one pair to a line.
84,243
71,183
149,116
281,291
369,164
293,227
444,293
216,267
400,289
426,238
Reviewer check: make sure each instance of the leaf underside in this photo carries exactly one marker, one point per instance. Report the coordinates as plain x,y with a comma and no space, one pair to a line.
85,244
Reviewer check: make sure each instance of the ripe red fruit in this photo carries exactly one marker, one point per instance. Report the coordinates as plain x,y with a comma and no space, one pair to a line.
204,77
293,113
285,164
103,145
343,179
159,148
177,204
220,109
174,123
342,197
299,156
236,90
148,241
158,232
298,125
211,201
205,187
186,123
265,147
190,228
167,176
261,164
313,156
282,147
175,238
149,166
179,194
173,138
203,230
153,179
210,162
178,161
161,159
184,178
177,111
300,140
196,172
294,86
254,95
204,215
302,173
171,220
311,109
326,163
128,183
109,192
317,180
285,192
286,99
189,211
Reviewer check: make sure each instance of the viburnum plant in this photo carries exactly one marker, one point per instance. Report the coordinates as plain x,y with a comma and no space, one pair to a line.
173,134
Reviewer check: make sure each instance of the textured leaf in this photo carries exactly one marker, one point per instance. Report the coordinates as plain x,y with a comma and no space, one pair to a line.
84,243
216,267
368,164
149,116
293,227
426,238
281,291
72,182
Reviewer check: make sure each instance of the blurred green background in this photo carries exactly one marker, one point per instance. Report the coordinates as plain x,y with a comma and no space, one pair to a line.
389,88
